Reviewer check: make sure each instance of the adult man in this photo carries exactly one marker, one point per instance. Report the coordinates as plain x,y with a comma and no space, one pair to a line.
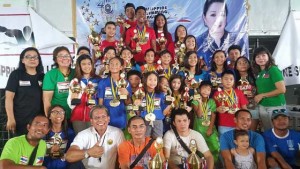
234,52
282,144
242,119
128,151
141,37
27,151
173,150
97,145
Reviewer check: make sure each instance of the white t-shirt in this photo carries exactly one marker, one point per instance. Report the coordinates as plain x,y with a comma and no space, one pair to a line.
177,151
110,141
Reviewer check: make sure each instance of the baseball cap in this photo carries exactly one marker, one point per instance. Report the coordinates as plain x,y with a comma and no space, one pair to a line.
278,112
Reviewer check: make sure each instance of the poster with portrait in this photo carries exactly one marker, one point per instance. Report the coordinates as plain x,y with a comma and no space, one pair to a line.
231,19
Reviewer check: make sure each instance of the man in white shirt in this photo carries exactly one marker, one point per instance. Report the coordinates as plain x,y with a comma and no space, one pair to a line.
173,149
97,145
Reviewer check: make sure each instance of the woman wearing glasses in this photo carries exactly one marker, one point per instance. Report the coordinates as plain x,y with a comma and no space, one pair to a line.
58,139
23,93
270,86
56,82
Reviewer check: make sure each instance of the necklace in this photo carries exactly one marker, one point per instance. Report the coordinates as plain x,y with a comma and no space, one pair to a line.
66,75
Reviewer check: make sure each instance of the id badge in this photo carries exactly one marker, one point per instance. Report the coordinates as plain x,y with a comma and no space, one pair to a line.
63,87
24,83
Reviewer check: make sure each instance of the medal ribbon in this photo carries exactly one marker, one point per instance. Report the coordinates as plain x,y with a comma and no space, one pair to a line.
204,109
150,103
231,95
113,89
177,100
141,33
167,74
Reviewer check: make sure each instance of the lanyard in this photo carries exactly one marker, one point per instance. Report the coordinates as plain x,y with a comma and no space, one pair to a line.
167,74
231,96
150,103
141,32
113,89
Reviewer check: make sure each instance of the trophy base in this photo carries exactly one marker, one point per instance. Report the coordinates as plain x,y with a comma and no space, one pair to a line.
75,101
123,97
91,102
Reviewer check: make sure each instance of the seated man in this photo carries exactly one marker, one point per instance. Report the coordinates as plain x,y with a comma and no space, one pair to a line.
282,144
27,151
128,151
173,150
97,145
242,119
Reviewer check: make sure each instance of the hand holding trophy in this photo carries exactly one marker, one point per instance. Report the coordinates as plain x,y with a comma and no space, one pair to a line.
95,39
157,162
75,89
121,21
90,90
162,41
139,94
222,97
193,160
122,83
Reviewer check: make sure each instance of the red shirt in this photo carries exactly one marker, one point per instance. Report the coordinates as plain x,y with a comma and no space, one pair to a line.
227,119
105,44
131,23
150,34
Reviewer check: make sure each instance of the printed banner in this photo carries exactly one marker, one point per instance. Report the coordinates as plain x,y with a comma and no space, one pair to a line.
21,28
188,13
287,51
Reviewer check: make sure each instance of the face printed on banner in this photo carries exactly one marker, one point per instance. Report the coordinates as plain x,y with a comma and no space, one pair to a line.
215,18
31,59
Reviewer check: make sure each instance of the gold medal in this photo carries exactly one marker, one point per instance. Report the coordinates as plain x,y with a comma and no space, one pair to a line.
110,141
205,122
114,103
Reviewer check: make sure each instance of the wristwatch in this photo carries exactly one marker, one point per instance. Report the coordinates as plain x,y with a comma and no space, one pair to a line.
86,154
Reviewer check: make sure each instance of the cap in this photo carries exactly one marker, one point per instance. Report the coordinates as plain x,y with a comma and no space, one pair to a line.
278,112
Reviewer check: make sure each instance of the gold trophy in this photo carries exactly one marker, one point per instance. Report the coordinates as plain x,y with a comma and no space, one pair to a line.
221,97
129,109
139,94
162,41
75,88
90,90
157,162
128,65
213,79
160,69
193,160
169,99
186,97
121,21
122,83
57,141
180,52
106,64
95,39
206,112
120,44
135,36
195,85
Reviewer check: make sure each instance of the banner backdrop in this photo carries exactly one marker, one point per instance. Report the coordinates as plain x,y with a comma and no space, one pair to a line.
21,28
287,51
188,13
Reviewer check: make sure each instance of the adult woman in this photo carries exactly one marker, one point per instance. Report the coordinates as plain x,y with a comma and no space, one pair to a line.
23,93
56,82
245,81
160,27
270,86
216,37
86,79
58,139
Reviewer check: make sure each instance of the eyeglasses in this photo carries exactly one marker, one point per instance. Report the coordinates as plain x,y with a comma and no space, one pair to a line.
29,57
99,117
64,56
276,111
56,112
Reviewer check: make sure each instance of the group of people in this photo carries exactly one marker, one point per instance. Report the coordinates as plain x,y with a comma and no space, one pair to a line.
120,97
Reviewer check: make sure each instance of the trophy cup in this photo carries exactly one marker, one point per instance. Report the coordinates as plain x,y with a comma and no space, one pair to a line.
180,52
160,69
193,160
127,65
90,90
57,141
195,85
95,39
221,97
162,41
75,88
106,63
213,79
121,21
122,83
169,99
139,94
156,162
120,44
135,36
186,97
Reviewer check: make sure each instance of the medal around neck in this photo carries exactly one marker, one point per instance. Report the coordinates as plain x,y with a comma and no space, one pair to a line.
151,118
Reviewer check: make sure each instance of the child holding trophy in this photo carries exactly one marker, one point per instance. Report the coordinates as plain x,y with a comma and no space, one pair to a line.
228,101
155,108
102,68
205,116
82,93
114,94
149,58
167,70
